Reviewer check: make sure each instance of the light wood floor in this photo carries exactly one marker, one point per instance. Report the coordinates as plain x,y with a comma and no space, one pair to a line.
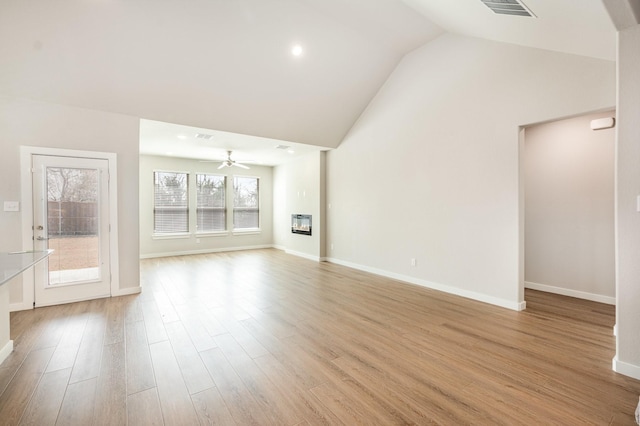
261,337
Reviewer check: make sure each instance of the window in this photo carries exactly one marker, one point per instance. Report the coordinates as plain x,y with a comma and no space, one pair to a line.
246,203
170,203
211,214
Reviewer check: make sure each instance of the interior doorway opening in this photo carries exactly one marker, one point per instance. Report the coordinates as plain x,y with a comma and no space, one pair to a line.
568,194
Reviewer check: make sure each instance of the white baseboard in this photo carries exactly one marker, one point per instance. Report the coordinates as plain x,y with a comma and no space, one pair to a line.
627,369
15,307
571,293
299,254
127,291
516,306
81,299
6,351
303,255
203,251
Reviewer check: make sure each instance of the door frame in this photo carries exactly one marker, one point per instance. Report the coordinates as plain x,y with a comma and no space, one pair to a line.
57,291
26,181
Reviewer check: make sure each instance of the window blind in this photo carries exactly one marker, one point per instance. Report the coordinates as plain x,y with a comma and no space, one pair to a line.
211,213
170,202
246,203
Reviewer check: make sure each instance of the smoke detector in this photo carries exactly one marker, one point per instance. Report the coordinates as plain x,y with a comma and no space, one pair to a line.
508,7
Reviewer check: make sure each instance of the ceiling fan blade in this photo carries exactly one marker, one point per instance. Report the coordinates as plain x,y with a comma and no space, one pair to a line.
241,165
223,165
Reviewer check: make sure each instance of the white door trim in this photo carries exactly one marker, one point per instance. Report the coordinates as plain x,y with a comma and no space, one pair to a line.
26,180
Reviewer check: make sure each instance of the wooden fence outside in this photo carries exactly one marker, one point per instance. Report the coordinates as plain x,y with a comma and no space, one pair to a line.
70,218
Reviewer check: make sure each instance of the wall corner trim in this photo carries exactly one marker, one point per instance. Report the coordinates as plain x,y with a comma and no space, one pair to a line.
625,368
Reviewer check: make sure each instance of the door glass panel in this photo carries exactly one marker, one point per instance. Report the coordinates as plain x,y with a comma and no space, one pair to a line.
73,224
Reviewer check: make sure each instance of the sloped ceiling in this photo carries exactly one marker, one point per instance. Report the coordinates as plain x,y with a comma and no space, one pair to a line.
581,27
217,64
227,65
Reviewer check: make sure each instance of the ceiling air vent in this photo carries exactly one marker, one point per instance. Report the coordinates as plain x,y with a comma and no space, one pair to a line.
508,7
283,147
203,136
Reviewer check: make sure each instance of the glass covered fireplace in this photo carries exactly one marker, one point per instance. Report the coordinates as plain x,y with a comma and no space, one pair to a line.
301,224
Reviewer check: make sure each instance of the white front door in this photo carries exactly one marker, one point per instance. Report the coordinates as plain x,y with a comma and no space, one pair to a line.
71,216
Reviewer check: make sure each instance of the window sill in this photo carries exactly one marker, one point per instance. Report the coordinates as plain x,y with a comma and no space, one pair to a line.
212,234
170,236
252,231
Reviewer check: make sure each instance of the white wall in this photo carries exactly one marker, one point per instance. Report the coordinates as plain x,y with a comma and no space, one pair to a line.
431,169
299,188
39,124
150,247
627,358
569,217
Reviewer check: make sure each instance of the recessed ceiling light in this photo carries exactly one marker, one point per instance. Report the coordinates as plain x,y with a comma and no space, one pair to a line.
169,153
296,50
291,151
182,137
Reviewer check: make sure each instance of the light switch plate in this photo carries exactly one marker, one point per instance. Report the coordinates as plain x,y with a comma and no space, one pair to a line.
12,206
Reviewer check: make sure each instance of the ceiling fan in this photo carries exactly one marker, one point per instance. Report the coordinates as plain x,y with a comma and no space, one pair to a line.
228,162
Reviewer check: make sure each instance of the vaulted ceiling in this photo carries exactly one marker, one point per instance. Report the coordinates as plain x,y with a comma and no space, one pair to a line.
227,64
580,27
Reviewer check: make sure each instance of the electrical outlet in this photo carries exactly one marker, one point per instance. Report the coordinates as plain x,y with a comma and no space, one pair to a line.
197,240
331,246
413,261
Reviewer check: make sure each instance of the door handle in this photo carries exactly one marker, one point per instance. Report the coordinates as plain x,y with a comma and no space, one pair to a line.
41,239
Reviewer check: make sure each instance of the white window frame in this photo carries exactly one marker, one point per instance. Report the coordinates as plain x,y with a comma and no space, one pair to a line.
219,233
245,231
172,235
